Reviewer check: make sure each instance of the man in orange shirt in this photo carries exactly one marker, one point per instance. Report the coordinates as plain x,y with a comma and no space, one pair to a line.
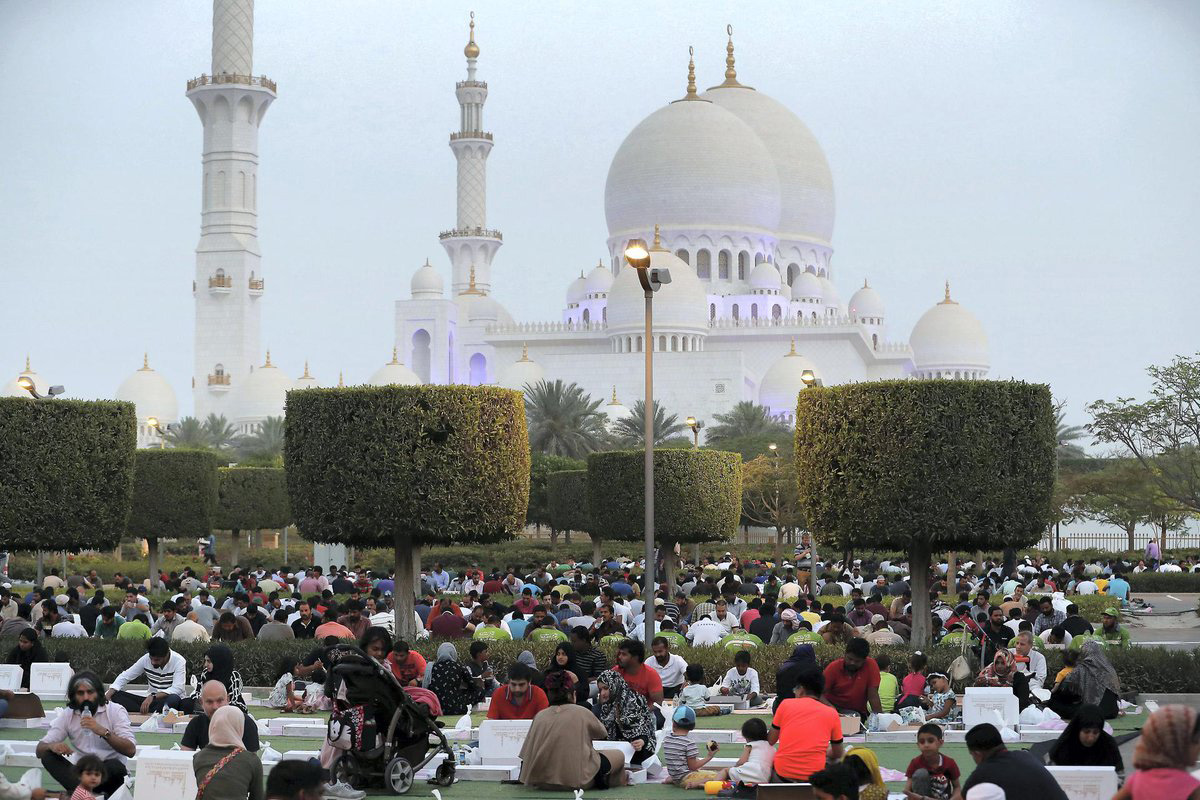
805,730
518,699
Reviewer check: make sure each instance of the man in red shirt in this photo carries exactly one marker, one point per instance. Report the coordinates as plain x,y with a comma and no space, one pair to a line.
805,728
407,665
852,681
447,625
518,699
631,657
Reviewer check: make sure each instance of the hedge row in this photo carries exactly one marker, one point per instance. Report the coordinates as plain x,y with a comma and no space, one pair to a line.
251,498
1164,581
568,500
1142,669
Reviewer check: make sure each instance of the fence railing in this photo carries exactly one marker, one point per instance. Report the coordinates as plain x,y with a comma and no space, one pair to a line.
1113,542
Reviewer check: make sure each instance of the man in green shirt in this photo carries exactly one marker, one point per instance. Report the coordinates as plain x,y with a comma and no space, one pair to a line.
109,624
492,631
135,628
1111,630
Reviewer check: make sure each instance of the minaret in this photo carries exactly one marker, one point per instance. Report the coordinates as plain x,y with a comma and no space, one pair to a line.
471,244
229,284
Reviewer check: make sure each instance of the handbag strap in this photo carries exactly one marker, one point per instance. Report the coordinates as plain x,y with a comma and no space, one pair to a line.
212,772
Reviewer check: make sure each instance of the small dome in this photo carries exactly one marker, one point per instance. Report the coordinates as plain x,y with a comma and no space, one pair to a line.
948,336
523,372
13,389
765,277
482,309
691,165
614,410
784,381
866,303
577,291
394,373
263,393
306,381
829,294
599,280
680,304
807,286
427,283
150,394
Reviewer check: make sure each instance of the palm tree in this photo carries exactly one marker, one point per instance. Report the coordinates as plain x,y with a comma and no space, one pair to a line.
189,433
265,444
747,418
631,430
221,435
1067,435
563,419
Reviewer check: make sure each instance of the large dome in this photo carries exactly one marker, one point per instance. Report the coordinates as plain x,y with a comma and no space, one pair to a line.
521,373
681,304
784,381
691,164
394,373
949,336
150,394
263,393
806,210
13,389
807,286
866,304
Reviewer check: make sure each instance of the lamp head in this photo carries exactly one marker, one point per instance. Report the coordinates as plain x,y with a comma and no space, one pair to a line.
26,383
637,254
691,422
55,391
152,422
772,447
808,377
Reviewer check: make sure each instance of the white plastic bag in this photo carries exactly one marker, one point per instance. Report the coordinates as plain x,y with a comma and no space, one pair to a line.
269,753
882,722
151,723
1009,735
1031,716
653,766
464,723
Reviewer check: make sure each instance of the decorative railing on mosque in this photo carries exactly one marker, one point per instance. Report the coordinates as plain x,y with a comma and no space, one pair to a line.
459,233
548,327
257,284
470,135
229,77
471,85
220,282
218,380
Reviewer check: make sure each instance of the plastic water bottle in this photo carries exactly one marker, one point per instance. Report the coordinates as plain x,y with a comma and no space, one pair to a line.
87,712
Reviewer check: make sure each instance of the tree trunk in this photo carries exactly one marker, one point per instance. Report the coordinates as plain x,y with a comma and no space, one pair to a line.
152,561
286,560
812,564
952,575
405,622
117,556
595,551
41,568
416,561
778,547
918,562
567,537
256,540
553,541
234,544
1010,561
1129,534
697,554
670,564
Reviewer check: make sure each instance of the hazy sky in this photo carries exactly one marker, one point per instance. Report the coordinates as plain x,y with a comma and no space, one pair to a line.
1045,157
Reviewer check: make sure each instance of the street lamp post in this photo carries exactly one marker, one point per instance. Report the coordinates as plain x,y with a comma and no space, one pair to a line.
695,426
774,448
810,379
152,422
637,255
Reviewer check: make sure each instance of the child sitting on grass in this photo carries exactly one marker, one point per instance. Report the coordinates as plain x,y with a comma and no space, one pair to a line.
283,695
681,756
931,775
1070,659
912,688
889,686
694,694
90,771
742,679
754,766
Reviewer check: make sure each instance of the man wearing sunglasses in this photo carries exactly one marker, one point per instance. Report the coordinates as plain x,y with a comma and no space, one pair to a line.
94,727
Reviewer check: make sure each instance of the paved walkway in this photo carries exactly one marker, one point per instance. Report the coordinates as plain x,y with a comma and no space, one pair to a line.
1173,625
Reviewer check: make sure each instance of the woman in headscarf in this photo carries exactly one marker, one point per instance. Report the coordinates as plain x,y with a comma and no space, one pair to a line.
558,753
563,660
224,769
1000,672
1165,754
28,651
625,715
1092,682
865,764
535,674
451,681
785,677
1085,743
218,666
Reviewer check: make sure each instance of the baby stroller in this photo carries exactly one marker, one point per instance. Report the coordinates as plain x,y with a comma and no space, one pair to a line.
385,736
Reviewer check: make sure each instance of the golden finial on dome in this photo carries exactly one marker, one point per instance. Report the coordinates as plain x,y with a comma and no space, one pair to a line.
947,301
395,356
472,49
341,383
865,286
145,363
524,351
658,245
691,84
731,81
27,369
268,364
472,288
793,352
306,375
614,401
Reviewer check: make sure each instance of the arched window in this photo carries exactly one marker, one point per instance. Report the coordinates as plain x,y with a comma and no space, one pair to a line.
683,256
754,311
776,312
478,369
735,311
814,315
703,265
604,313
662,344
723,265
219,370
674,344
639,344
759,258
743,260
420,355
875,341
587,316
712,311
686,341
792,271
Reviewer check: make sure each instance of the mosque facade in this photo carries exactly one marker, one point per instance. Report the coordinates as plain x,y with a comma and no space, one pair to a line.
729,187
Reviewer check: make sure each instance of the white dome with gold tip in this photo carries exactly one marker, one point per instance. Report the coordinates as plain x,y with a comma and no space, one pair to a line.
150,394
521,373
394,373
263,393
784,381
14,389
949,341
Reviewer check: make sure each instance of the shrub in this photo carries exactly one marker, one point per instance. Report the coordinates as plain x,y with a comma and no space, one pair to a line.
926,466
541,466
174,494
405,466
251,498
1163,581
66,473
568,492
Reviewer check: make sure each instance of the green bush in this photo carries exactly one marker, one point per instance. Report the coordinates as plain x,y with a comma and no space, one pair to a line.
174,495
926,466
66,473
541,466
403,466
1164,581
251,498
568,492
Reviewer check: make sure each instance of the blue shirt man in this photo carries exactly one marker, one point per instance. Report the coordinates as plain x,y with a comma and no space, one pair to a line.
1119,587
439,578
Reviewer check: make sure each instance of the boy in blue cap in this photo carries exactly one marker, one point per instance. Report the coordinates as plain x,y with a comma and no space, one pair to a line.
680,754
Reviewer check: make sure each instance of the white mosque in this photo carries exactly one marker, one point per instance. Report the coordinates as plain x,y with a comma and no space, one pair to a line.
731,189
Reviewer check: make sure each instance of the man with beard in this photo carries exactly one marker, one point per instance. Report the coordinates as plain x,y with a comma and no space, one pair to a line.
852,681
109,736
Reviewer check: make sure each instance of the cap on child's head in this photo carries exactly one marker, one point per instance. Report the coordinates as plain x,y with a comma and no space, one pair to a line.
684,716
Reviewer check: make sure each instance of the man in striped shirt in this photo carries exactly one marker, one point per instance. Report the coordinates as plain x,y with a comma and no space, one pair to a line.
165,672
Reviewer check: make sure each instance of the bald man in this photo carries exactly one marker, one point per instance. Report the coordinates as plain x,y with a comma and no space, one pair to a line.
190,630
212,697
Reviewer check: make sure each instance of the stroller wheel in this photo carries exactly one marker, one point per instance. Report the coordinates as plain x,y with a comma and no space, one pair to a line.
444,775
399,775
